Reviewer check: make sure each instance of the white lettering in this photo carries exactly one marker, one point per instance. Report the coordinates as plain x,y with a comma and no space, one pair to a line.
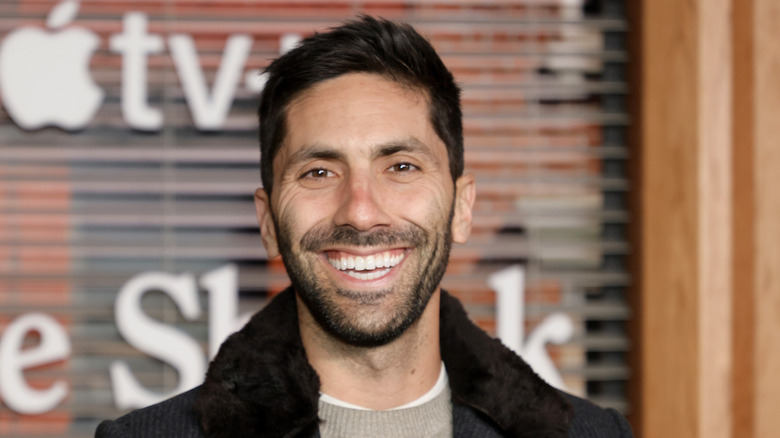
510,319
134,44
510,306
156,339
222,287
54,345
209,111
557,329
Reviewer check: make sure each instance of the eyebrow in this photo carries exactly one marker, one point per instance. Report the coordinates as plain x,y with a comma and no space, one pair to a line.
381,150
314,152
409,144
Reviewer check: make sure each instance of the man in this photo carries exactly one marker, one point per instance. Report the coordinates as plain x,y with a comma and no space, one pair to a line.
363,194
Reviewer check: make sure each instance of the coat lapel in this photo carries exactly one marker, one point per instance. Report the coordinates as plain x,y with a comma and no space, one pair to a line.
490,378
260,384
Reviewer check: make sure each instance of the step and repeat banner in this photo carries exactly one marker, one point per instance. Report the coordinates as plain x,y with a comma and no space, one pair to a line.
129,247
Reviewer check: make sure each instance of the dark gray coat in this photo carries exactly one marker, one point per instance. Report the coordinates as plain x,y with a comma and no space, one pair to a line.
261,385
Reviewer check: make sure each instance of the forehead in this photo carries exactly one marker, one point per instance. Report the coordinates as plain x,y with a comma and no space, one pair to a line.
354,111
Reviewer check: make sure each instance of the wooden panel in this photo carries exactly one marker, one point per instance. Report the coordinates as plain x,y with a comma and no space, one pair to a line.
686,204
756,229
668,302
744,218
767,208
715,217
711,261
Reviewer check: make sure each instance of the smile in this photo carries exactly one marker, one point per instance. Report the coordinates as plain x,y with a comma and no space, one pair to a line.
368,267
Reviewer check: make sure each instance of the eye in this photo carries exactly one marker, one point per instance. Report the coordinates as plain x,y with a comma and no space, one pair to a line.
317,173
317,178
403,168
404,172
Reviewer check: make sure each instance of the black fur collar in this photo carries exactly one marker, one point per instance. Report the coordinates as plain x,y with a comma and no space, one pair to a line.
260,383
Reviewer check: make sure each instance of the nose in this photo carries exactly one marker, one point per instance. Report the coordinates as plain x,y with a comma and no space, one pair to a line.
360,204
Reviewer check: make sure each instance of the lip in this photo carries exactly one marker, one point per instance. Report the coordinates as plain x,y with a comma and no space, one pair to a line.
362,251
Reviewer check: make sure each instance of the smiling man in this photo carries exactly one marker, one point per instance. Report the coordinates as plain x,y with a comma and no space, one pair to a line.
363,195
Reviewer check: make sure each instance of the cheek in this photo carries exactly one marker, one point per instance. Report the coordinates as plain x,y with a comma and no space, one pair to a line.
300,213
426,206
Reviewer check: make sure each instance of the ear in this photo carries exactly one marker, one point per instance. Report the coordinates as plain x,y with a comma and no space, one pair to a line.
465,194
266,222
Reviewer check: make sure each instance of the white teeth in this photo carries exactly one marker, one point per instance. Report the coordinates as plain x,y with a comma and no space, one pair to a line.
368,263
368,275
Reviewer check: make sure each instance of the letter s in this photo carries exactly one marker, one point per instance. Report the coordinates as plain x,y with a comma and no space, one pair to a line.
155,338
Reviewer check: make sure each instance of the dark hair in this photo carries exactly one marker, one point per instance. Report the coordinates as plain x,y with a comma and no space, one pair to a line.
364,45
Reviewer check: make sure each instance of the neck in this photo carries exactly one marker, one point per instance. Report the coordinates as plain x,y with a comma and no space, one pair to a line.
379,377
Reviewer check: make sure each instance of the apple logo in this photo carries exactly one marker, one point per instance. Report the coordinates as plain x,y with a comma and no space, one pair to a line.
44,76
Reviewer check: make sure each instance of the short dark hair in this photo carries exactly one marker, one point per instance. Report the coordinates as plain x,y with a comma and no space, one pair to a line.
363,45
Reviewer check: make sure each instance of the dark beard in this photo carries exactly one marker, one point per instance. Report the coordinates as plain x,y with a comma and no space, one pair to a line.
433,249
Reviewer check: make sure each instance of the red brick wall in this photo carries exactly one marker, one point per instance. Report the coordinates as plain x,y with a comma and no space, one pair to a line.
82,212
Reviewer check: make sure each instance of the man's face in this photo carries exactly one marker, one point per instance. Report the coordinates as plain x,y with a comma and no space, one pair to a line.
364,208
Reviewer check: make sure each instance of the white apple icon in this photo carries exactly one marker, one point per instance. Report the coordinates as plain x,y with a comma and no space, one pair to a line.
44,76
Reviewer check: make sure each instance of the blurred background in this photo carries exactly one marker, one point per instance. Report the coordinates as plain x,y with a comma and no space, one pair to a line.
608,245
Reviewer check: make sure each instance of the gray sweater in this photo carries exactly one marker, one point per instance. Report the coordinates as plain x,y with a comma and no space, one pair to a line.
431,419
